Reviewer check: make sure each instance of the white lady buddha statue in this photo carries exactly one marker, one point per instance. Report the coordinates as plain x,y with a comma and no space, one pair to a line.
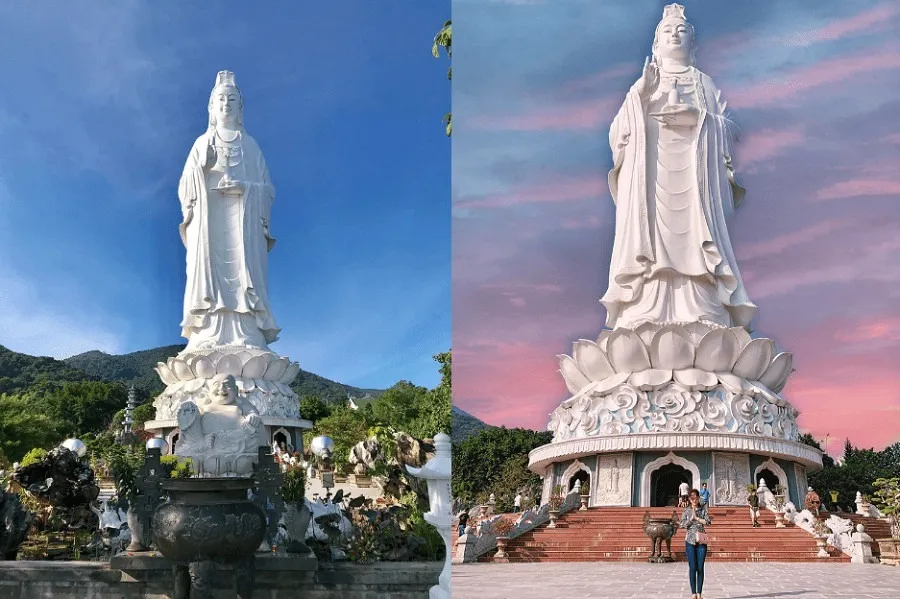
226,199
673,185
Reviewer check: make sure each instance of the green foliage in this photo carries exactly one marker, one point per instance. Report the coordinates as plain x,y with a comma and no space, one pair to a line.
123,464
389,533
464,425
33,457
494,461
444,39
346,427
21,371
176,467
887,499
142,414
808,439
293,486
858,472
313,408
23,427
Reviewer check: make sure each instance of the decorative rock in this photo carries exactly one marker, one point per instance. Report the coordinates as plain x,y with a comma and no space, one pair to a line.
15,521
60,478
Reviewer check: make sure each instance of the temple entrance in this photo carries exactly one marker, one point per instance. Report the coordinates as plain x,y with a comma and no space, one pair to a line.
770,477
664,485
280,440
585,479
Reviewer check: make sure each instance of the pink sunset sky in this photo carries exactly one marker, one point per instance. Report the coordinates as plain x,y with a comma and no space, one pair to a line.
816,93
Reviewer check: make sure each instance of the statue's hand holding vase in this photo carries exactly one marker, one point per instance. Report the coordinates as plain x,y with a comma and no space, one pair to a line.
231,187
680,115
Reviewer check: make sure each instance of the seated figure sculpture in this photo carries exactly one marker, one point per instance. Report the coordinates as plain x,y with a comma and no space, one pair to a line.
223,436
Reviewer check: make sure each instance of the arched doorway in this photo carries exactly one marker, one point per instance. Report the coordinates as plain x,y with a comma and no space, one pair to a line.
280,440
770,477
585,479
664,484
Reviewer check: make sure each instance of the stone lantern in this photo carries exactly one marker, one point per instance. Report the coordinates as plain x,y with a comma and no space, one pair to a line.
436,472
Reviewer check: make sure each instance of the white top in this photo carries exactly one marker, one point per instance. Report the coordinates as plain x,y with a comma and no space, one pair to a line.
683,489
517,502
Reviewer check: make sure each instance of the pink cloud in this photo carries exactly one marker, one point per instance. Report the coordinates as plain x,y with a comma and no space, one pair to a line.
588,114
575,189
855,188
507,286
591,222
600,80
887,329
776,245
765,144
873,19
826,72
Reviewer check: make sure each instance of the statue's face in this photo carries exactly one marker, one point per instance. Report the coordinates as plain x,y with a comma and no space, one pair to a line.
227,105
224,390
674,39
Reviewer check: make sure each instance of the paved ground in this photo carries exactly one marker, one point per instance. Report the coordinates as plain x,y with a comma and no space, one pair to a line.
670,581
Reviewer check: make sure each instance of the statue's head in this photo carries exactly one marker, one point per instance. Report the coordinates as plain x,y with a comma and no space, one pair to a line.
223,390
226,105
674,36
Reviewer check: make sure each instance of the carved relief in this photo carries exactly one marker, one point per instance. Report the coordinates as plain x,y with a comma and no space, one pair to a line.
731,475
800,477
614,482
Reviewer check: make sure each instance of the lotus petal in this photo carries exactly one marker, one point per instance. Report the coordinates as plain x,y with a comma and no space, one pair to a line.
254,367
610,383
247,385
650,378
290,373
646,331
717,351
264,385
626,351
193,385
276,369
176,387
763,391
165,373
776,375
742,335
602,338
695,378
697,330
591,361
575,379
733,383
754,359
244,356
203,367
283,389
215,356
170,362
229,364
182,370
672,349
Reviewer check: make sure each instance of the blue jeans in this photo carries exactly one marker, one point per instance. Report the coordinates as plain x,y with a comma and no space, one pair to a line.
696,556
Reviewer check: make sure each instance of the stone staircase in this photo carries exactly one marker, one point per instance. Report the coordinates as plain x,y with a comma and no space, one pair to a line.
875,527
616,534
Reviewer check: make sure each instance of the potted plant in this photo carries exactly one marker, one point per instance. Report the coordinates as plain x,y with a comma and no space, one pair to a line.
887,499
821,532
297,513
502,527
778,506
585,497
556,502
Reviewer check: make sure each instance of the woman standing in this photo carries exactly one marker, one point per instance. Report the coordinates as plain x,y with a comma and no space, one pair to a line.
693,521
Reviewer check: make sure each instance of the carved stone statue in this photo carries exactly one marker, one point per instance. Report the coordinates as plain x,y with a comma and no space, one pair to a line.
223,436
226,199
673,184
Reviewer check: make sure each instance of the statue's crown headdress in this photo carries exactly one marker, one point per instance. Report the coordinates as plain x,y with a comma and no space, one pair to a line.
674,11
226,79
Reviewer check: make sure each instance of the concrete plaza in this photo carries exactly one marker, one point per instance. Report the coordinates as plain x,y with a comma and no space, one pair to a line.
670,581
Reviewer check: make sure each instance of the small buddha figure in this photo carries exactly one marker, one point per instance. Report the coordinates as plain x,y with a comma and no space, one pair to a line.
222,437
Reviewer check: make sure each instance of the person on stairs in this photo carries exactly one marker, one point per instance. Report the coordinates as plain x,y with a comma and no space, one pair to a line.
753,502
683,491
704,496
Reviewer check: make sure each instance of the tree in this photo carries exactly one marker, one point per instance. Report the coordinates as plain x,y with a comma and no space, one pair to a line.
22,428
443,39
494,461
346,428
313,408
808,439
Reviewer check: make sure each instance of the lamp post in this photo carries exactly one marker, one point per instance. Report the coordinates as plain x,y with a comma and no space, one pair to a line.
323,447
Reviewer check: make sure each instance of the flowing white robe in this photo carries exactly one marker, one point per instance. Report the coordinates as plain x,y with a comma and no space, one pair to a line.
227,239
672,258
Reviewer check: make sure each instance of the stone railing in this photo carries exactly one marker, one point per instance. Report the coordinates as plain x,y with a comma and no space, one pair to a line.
841,532
483,539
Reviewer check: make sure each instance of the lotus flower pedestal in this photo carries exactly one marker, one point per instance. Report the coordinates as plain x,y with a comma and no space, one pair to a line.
263,379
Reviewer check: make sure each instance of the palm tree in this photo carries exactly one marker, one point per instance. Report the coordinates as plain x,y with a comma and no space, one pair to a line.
444,39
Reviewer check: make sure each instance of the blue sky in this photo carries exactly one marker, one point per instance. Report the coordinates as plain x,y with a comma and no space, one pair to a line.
815,90
100,106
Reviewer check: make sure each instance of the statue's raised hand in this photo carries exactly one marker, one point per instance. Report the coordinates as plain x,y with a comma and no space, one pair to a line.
649,80
682,115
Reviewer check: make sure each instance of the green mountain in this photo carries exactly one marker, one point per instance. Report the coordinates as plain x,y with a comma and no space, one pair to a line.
464,425
21,371
136,369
